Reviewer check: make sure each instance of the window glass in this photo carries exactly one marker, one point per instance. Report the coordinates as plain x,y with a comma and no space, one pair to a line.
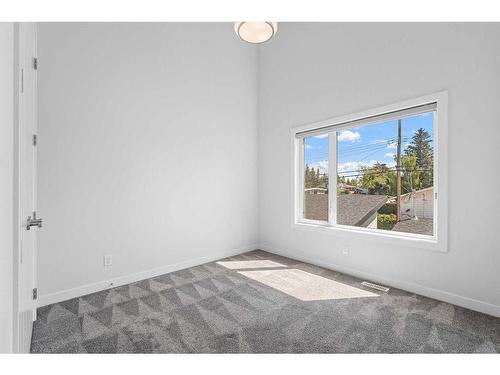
316,150
371,160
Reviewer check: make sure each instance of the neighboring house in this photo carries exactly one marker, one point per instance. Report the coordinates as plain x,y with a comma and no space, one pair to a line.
353,209
359,210
351,189
315,206
316,190
419,203
345,188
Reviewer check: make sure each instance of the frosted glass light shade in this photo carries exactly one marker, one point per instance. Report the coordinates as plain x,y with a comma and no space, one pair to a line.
255,32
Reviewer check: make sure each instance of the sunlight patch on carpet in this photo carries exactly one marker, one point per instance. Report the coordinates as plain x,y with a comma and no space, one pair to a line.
247,264
306,286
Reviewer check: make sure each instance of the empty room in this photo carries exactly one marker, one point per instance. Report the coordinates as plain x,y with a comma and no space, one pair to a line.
250,187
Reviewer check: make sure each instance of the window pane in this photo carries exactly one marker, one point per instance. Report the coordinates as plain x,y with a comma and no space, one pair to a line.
316,177
367,180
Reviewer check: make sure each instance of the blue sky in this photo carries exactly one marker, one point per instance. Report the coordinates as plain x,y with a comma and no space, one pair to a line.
364,146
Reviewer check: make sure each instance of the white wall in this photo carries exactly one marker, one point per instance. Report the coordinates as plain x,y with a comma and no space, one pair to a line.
147,150
6,184
148,146
311,72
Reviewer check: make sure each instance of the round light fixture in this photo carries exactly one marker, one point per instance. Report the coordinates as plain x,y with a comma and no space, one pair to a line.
255,32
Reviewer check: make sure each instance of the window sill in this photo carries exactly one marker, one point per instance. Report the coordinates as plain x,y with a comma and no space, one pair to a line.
376,235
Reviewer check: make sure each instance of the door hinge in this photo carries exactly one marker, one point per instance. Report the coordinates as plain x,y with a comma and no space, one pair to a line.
35,63
34,140
35,293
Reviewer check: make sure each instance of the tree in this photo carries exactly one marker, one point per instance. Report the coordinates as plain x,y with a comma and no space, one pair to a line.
309,177
411,174
314,179
323,180
379,179
307,182
352,182
420,147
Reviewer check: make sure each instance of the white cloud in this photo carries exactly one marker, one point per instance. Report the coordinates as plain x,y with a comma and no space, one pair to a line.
322,165
309,146
349,166
321,136
389,155
347,135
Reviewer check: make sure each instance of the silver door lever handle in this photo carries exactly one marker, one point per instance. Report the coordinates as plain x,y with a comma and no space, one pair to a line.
33,222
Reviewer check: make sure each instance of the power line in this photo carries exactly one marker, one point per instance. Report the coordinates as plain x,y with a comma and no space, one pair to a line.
382,142
367,156
352,175
390,169
368,171
325,154
350,151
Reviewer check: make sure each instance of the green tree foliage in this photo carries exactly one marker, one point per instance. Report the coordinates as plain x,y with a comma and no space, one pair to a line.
388,208
420,147
411,174
351,182
314,179
379,179
386,221
417,168
347,181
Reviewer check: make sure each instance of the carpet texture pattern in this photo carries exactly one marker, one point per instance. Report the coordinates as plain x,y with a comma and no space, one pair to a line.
259,303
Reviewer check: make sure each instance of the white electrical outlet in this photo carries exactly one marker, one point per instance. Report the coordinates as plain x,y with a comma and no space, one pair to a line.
108,260
345,250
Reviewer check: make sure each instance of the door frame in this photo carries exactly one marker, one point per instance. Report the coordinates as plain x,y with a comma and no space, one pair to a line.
25,123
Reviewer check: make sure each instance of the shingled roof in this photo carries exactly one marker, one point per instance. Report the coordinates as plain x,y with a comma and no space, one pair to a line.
420,226
355,209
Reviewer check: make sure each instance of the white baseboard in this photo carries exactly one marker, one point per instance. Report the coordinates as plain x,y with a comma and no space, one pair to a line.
455,299
63,295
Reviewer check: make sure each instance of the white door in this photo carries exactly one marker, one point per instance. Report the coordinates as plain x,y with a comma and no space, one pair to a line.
26,275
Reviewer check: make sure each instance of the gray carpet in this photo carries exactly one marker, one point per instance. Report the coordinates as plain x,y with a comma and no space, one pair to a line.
259,303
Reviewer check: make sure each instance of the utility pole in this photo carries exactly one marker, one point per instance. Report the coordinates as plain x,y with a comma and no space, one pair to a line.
398,174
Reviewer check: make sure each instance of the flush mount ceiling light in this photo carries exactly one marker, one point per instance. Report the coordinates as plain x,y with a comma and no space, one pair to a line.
255,32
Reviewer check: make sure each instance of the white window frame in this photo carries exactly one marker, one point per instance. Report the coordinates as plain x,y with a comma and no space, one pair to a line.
439,241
